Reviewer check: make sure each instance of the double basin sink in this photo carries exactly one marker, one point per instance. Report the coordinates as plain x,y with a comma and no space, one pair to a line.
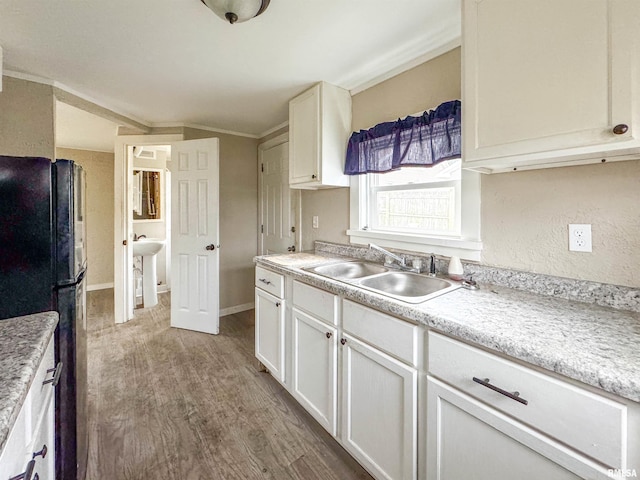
406,286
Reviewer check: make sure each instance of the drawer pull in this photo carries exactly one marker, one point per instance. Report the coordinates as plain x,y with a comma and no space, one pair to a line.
42,452
27,473
277,304
343,341
265,281
328,334
513,396
56,376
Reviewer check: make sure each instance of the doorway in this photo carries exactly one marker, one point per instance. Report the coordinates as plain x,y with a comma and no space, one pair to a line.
279,205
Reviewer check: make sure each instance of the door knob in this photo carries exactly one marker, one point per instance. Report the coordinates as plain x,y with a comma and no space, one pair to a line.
210,247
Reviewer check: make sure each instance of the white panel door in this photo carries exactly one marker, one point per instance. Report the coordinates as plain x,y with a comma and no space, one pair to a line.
278,203
379,411
315,371
194,235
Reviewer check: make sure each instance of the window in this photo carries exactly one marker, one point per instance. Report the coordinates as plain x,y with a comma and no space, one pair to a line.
415,200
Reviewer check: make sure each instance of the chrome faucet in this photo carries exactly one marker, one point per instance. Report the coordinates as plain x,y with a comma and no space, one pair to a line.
401,260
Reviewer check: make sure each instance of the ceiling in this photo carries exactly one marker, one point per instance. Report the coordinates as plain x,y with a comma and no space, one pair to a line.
174,62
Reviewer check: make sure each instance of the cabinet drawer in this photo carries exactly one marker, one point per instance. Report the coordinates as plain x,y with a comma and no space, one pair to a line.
14,455
585,421
322,305
39,391
270,281
394,336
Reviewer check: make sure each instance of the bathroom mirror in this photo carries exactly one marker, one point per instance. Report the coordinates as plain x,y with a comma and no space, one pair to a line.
147,194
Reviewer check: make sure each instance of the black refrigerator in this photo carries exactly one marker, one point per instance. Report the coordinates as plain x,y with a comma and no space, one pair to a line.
42,267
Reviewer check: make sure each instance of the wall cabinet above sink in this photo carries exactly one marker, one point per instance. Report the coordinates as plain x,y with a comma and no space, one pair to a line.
549,83
319,129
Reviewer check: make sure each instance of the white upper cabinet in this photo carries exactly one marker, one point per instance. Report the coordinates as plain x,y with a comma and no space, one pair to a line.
549,83
319,130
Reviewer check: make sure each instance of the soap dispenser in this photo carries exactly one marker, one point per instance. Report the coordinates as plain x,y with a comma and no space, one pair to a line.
456,272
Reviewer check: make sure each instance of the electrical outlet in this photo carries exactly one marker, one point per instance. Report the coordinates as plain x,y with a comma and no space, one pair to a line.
580,237
314,222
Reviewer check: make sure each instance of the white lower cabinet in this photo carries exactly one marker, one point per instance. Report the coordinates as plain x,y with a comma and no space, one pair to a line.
469,440
270,344
315,368
379,410
29,449
492,418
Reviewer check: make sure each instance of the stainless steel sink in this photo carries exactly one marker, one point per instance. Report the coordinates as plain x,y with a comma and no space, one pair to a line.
408,287
348,270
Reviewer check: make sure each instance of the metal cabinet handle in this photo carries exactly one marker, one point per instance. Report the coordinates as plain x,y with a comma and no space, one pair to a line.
329,334
343,341
513,396
292,248
27,473
314,176
210,247
56,375
620,129
265,281
277,304
42,452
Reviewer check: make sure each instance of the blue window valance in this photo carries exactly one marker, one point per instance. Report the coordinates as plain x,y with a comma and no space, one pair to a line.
423,141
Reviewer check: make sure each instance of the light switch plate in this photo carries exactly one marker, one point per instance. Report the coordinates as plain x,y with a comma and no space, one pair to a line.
314,221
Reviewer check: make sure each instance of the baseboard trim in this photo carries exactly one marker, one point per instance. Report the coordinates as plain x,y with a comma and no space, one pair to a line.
237,309
99,286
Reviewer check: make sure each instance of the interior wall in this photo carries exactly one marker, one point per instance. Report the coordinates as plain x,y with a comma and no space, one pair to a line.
525,218
525,214
27,112
99,170
238,215
420,88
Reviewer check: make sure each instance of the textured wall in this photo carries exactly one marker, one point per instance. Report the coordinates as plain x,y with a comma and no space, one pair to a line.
525,217
423,87
99,171
238,215
27,112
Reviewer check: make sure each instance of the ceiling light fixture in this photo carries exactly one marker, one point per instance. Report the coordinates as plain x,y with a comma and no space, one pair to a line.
237,11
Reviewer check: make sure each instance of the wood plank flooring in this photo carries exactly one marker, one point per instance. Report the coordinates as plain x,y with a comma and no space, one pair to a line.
178,405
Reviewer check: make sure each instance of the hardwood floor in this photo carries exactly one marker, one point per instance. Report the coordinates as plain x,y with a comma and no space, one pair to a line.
178,405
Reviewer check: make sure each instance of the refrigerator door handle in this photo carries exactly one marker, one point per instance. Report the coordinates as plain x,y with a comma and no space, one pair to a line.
56,375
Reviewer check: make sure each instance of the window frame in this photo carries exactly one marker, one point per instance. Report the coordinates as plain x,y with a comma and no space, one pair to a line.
466,245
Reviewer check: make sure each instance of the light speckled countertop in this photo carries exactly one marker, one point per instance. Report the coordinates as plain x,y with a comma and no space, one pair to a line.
23,341
597,345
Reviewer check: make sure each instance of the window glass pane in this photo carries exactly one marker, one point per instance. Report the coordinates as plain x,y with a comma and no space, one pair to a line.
416,200
422,210
441,172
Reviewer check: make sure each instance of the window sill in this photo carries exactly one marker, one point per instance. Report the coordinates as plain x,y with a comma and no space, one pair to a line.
465,249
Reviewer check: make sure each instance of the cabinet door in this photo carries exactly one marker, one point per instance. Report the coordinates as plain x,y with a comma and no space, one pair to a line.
315,368
379,411
546,79
43,446
467,439
304,137
270,332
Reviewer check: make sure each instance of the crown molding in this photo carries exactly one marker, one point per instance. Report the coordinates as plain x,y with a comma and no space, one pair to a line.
401,60
203,127
274,129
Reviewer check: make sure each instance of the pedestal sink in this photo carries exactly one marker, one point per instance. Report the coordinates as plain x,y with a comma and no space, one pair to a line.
147,248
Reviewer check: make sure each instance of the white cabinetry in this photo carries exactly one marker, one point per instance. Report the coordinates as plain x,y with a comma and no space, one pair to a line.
315,353
319,129
379,399
270,321
545,83
495,419
31,442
